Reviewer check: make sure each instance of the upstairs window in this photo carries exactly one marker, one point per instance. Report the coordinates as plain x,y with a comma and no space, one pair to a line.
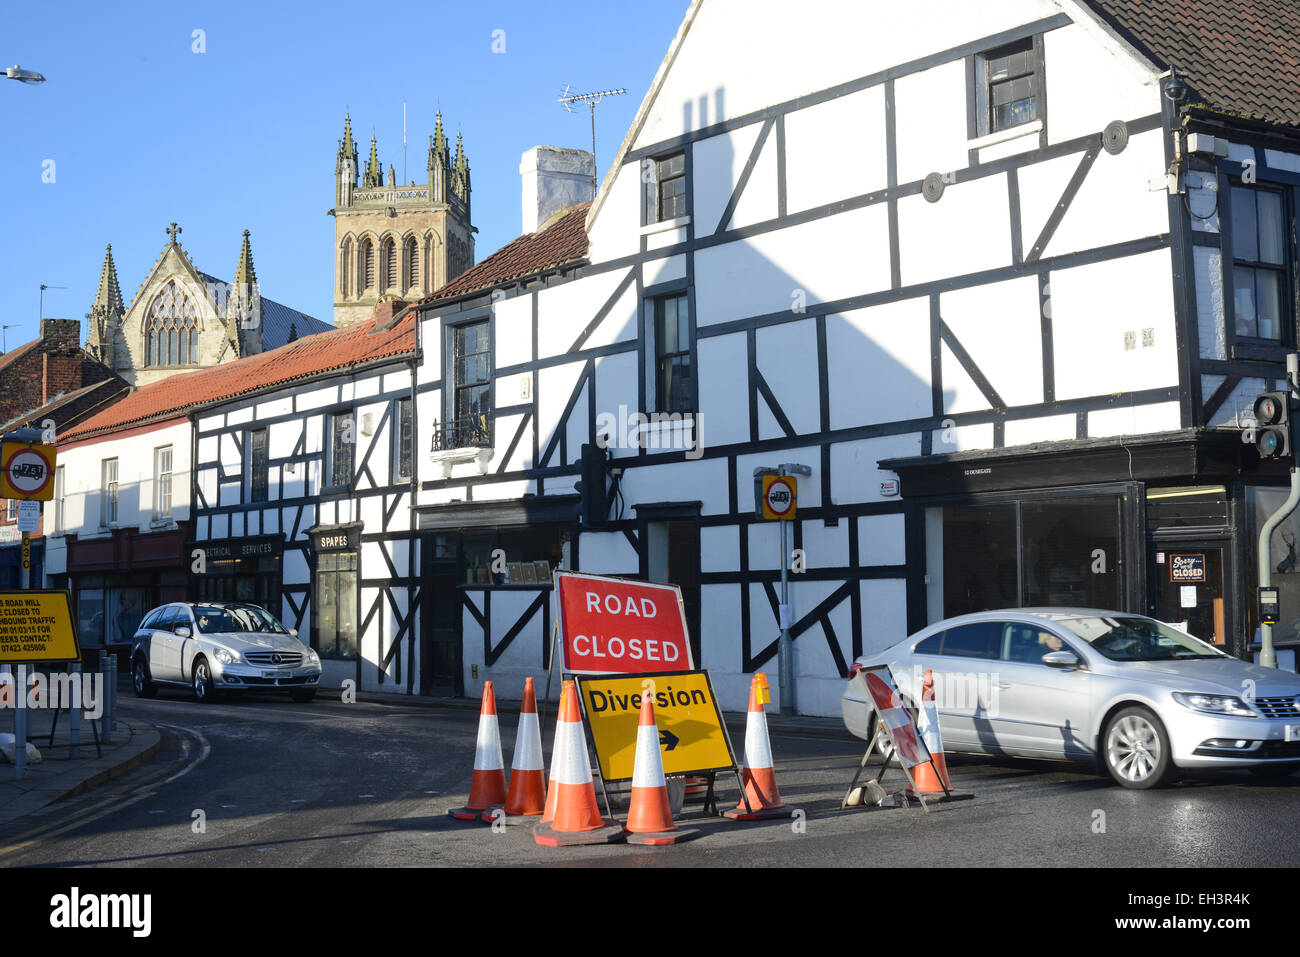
162,483
58,499
11,510
1010,86
258,468
403,441
674,365
1259,263
108,488
469,418
342,442
664,180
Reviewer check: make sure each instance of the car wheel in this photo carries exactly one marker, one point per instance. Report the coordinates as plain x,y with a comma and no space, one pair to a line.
1275,770
204,692
302,697
144,687
1135,749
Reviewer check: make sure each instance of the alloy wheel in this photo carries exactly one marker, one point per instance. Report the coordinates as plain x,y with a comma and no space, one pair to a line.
1133,748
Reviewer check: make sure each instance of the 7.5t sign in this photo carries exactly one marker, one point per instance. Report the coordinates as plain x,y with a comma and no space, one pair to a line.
618,626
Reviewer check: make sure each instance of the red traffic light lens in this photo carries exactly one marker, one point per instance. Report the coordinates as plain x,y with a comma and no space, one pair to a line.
1268,410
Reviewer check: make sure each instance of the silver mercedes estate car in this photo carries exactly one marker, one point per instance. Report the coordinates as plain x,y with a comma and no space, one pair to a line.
221,646
1135,695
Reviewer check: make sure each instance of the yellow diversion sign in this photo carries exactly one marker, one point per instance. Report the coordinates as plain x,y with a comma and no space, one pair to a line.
37,626
692,737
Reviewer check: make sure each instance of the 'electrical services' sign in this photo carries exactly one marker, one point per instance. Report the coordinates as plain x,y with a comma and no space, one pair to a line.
618,626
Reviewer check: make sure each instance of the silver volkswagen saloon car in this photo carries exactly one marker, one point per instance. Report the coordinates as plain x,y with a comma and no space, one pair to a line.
1139,697
218,646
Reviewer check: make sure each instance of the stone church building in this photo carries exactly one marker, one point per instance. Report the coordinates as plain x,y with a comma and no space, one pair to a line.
398,241
182,319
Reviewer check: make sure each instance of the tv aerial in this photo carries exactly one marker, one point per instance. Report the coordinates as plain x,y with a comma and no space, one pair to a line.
567,100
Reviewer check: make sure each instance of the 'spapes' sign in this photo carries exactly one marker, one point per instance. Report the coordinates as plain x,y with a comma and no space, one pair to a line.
618,626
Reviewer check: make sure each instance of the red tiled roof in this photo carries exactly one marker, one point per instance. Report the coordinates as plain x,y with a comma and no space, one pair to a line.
1238,56
560,241
310,356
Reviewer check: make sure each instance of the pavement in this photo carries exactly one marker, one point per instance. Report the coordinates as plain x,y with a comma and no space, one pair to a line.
59,775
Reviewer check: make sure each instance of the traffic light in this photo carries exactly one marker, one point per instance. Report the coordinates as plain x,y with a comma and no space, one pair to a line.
1273,425
592,487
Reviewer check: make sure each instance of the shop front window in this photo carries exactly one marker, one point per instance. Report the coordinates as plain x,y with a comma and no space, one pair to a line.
1064,552
336,604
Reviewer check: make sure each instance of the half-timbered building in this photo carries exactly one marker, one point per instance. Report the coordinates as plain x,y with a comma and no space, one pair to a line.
1003,277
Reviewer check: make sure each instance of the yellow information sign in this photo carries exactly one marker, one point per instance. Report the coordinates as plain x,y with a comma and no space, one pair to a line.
37,626
692,737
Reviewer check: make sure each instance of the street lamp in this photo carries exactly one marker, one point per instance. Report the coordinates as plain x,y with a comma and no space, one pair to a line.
16,72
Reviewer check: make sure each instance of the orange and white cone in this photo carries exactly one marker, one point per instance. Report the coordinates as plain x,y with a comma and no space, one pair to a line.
572,816
650,816
759,778
489,786
526,798
927,723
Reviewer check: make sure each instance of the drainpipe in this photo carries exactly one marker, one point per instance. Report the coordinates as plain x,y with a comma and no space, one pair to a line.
1267,656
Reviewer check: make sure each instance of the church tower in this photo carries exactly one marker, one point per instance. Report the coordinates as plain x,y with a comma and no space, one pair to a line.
393,240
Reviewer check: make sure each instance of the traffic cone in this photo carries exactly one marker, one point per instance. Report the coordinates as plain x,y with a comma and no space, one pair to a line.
572,816
759,777
489,785
650,816
526,798
927,724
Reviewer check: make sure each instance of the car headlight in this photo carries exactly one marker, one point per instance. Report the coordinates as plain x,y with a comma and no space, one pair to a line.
312,656
1215,704
226,656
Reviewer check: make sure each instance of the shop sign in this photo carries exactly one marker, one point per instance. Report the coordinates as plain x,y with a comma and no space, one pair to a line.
1186,568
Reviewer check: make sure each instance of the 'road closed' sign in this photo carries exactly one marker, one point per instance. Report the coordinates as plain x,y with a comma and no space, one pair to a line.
619,626
692,738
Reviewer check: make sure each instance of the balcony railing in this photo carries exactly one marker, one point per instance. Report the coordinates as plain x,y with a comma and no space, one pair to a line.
469,432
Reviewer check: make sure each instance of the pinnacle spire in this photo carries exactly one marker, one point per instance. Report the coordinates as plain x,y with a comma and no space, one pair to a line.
108,296
374,169
245,276
349,147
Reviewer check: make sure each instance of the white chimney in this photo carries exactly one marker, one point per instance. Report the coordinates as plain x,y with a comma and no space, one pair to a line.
553,179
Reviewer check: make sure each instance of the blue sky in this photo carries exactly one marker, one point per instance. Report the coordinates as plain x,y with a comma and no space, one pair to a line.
142,130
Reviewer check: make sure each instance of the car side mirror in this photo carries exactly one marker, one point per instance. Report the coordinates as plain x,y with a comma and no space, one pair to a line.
183,631
1062,659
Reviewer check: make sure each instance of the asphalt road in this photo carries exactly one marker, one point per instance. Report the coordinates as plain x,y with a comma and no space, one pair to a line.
267,783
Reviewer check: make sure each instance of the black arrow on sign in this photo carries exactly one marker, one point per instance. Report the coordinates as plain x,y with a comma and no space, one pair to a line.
668,740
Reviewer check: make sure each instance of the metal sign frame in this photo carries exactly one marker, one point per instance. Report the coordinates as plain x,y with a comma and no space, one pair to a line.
884,736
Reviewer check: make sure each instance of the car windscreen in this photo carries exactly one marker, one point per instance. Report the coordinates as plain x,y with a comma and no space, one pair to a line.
1138,639
213,620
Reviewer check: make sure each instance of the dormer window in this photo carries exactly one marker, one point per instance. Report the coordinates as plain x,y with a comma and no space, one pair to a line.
1010,86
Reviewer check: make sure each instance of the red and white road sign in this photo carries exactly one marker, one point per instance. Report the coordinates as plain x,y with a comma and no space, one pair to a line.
889,705
619,626
26,471
779,495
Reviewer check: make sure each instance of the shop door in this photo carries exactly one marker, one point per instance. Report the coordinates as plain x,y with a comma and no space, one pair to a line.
440,617
1186,587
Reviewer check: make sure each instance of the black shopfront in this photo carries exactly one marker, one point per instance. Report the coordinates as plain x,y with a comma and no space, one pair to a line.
239,569
1164,525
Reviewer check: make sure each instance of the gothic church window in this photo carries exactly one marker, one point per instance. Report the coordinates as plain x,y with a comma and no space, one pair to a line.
172,336
390,264
346,271
368,263
412,264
